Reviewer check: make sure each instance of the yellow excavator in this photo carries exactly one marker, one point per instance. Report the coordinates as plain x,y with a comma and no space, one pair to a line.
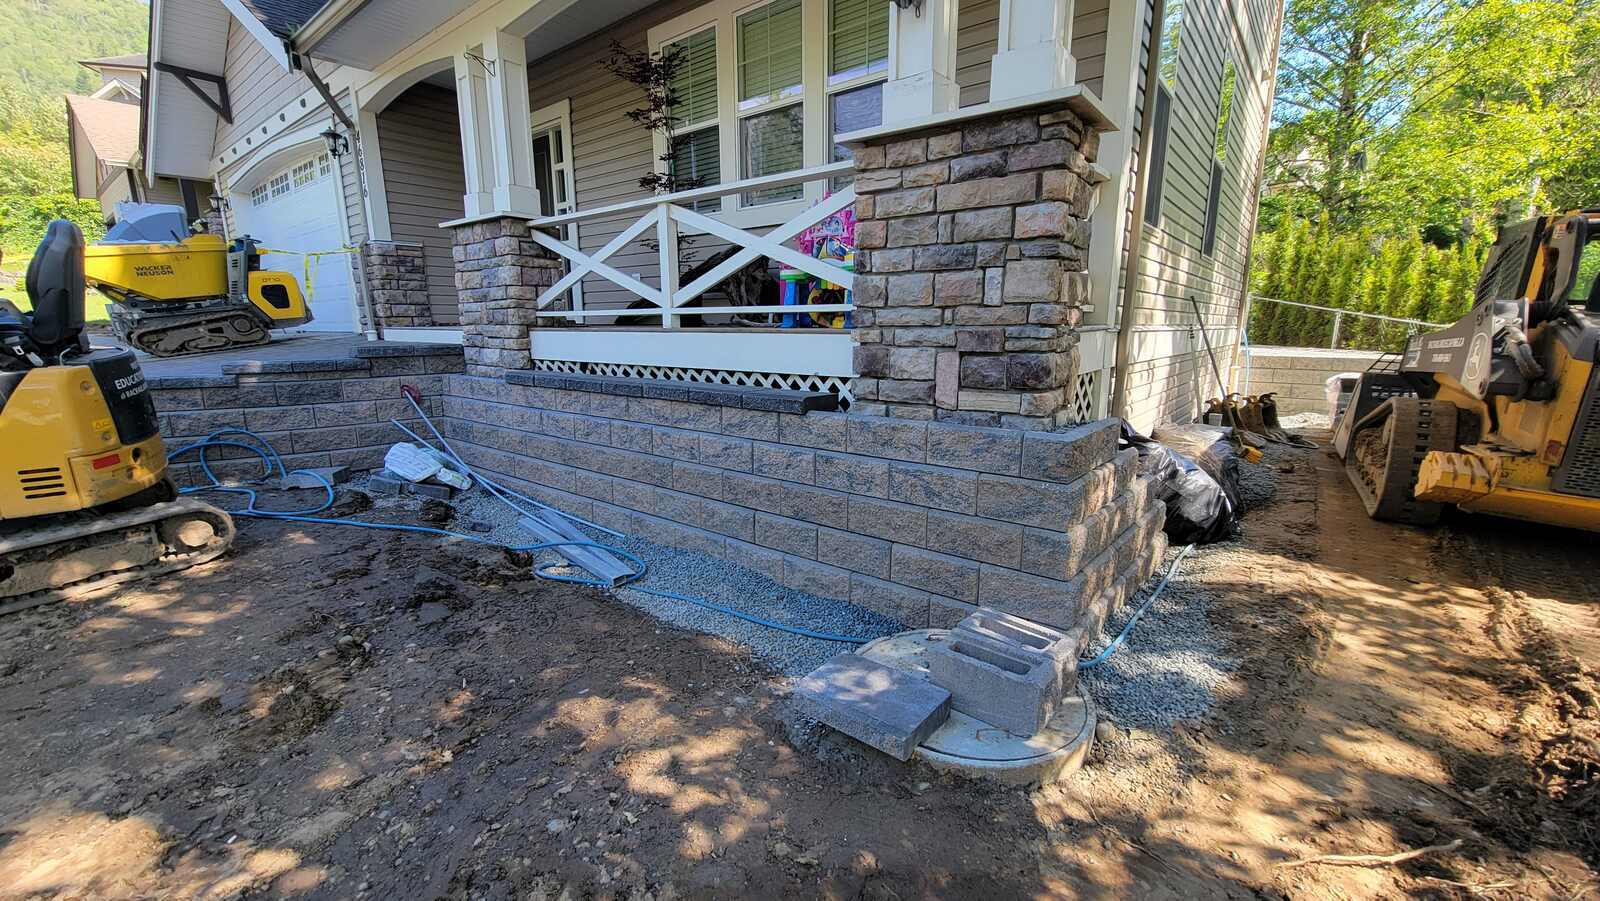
1499,413
178,293
85,500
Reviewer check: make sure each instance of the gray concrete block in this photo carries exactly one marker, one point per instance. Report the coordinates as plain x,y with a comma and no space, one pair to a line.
1028,502
857,553
788,535
815,578
823,431
894,439
908,605
1060,646
980,539
316,477
857,475
887,519
889,709
780,461
955,490
725,452
1067,455
953,576
1003,685
969,447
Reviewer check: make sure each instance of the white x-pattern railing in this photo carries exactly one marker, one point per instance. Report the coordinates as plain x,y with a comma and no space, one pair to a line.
667,213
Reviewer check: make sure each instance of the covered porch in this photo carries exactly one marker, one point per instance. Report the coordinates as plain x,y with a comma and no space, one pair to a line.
547,139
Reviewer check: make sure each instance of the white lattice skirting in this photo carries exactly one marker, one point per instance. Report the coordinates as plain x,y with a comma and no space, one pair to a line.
832,384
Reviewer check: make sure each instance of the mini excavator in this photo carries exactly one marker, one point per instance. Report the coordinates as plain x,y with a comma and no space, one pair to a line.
85,499
178,293
1499,413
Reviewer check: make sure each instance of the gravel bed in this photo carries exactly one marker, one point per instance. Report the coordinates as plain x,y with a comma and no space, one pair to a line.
696,575
1170,667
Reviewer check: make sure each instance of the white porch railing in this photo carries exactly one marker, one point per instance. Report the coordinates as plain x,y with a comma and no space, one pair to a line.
667,214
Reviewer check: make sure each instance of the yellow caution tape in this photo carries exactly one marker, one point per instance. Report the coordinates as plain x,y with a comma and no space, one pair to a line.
313,259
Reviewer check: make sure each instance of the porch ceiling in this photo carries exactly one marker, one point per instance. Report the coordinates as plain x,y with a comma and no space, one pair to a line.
380,29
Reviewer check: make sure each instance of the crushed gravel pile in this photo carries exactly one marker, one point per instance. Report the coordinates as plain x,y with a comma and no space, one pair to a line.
1170,668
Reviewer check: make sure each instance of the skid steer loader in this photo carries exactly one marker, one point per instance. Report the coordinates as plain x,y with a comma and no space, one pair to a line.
85,500
1499,413
178,293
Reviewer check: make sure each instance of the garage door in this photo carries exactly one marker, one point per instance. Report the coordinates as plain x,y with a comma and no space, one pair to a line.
295,207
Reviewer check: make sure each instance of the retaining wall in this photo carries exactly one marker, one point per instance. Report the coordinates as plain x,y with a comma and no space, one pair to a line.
1298,374
315,412
918,520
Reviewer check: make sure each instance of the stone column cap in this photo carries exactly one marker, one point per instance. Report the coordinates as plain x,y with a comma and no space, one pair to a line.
1080,100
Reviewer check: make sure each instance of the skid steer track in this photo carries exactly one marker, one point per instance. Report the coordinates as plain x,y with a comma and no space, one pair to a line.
1386,453
66,556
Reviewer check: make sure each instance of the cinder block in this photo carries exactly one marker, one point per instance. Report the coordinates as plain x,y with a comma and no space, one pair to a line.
894,439
1060,647
954,576
955,490
890,709
970,447
1004,685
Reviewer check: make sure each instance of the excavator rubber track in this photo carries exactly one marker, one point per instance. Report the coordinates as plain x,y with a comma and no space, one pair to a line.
1386,452
192,332
66,556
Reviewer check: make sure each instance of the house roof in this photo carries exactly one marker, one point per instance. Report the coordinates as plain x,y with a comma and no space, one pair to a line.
125,61
283,17
112,128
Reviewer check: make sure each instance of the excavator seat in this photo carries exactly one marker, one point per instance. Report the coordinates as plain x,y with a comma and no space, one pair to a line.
55,288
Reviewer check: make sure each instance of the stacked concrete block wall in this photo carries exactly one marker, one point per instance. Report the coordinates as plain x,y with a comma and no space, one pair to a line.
919,520
500,273
397,283
315,413
1299,375
972,255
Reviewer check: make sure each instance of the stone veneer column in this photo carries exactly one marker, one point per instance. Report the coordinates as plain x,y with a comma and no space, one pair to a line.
500,273
398,283
972,253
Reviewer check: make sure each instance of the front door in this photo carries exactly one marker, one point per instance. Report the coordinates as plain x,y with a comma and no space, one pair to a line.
552,172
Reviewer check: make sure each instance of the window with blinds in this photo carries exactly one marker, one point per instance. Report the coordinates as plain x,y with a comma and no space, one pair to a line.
697,161
771,143
694,84
858,38
769,53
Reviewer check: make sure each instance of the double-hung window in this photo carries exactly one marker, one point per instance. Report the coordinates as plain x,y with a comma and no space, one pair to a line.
696,151
771,94
858,63
764,86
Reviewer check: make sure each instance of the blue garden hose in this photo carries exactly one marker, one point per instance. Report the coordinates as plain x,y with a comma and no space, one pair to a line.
1133,620
272,463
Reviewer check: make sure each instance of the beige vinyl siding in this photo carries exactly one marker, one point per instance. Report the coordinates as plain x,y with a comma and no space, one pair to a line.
978,35
257,88
1169,375
420,138
164,190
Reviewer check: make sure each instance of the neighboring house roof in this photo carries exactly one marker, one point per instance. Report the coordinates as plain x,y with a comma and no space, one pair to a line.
110,128
125,61
283,17
114,87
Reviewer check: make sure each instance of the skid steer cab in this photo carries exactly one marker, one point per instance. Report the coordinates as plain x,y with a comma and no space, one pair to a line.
1500,412
176,293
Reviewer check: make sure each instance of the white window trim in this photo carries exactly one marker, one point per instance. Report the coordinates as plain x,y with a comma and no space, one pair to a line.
817,145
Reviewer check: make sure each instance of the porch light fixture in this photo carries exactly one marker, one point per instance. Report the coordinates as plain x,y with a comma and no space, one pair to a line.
914,5
338,144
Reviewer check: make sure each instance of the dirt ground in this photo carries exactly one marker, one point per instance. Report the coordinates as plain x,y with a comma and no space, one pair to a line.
344,714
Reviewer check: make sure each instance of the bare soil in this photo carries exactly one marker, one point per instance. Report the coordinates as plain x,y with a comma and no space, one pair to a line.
337,713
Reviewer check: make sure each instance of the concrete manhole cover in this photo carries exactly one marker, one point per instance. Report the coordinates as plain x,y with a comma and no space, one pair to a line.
975,748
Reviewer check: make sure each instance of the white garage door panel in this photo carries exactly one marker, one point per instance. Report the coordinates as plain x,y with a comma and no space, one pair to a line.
296,208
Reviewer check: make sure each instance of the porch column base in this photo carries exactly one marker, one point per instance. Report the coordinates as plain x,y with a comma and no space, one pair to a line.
397,283
972,244
500,273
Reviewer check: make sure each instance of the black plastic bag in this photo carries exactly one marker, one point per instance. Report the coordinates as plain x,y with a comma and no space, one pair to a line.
1211,447
1199,511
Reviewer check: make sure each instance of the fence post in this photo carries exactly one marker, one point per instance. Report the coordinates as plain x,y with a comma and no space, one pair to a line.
667,239
1338,323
